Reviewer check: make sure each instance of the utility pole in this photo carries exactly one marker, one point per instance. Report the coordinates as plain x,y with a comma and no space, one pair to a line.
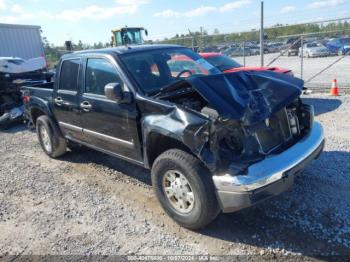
244,62
302,58
262,34
192,39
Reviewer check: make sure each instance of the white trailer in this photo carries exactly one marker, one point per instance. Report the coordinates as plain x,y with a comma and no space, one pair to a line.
22,41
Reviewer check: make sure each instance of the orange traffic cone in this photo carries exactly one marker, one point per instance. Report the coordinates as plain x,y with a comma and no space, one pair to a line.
334,89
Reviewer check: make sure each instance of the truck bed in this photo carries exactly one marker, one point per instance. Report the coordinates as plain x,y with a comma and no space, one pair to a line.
48,85
43,90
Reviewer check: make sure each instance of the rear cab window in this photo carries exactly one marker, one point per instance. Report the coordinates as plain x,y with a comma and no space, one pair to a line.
69,75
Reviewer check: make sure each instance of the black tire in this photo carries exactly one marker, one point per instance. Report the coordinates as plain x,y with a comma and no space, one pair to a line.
205,207
58,143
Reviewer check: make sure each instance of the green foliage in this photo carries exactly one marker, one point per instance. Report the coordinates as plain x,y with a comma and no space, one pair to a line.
53,53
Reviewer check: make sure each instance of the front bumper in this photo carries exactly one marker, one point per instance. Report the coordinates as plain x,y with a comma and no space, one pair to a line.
319,54
270,176
293,52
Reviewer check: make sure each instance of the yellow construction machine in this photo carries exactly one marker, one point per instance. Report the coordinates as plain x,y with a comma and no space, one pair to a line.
128,36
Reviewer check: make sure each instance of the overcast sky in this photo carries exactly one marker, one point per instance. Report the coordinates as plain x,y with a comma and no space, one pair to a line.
92,20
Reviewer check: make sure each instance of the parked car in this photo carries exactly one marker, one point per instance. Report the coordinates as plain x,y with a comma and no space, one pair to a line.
228,65
210,49
254,50
214,142
291,47
313,50
339,46
274,47
237,51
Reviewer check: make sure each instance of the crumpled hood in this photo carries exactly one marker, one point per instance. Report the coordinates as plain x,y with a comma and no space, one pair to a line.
248,96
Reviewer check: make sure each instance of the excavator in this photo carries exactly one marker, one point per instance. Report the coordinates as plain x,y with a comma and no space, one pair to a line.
128,36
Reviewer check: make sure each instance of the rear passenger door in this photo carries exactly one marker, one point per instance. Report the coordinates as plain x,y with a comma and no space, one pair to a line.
66,98
108,125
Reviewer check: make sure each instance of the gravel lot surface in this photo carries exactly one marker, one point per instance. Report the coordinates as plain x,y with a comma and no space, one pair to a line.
340,71
89,203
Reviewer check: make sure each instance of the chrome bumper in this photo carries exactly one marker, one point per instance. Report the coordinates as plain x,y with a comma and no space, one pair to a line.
268,173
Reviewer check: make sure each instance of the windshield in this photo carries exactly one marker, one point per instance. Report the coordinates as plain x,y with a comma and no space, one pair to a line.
223,63
313,45
345,41
156,69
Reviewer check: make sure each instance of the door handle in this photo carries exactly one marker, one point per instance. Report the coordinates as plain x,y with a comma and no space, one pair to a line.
86,106
58,101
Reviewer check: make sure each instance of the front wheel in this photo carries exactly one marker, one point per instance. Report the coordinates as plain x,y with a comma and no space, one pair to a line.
185,189
340,53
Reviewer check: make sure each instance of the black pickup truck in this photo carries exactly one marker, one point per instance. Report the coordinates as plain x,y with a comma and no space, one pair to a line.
214,142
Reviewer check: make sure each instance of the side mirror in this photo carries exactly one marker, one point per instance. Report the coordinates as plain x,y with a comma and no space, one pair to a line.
115,92
146,32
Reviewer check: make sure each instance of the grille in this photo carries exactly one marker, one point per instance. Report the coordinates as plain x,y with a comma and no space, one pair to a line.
276,132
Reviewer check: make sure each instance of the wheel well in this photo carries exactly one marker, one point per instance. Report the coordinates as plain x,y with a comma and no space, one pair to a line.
158,144
35,114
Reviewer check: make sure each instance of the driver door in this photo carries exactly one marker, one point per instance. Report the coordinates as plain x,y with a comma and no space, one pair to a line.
107,125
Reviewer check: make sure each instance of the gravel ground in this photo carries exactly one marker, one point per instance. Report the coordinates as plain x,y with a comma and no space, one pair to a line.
89,203
340,71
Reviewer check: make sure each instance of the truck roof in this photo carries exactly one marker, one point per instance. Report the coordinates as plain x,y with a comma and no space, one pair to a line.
122,50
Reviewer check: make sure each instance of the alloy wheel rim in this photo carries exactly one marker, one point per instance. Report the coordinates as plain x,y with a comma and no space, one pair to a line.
45,139
178,191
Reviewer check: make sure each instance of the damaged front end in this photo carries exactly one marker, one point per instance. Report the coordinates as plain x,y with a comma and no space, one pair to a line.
260,133
253,115
234,145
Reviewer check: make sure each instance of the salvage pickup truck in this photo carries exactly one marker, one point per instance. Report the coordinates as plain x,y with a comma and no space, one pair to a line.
214,142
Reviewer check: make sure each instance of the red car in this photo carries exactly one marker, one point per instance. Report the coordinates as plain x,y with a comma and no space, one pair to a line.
228,65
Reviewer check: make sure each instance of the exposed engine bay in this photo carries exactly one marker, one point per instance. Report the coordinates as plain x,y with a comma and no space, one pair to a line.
236,142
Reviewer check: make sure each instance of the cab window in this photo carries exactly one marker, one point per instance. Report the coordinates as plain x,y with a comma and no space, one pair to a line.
99,73
69,75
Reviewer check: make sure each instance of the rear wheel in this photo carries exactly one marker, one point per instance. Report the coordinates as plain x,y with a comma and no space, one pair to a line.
340,52
51,141
185,189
